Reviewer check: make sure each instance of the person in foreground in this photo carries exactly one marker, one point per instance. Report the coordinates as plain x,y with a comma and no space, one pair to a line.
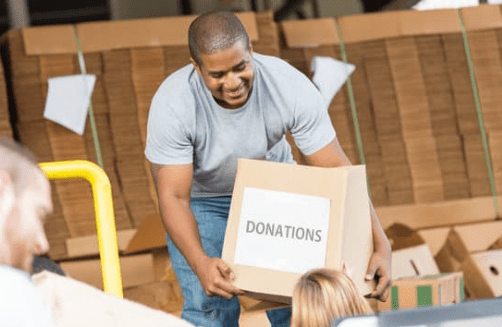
322,295
25,200
231,103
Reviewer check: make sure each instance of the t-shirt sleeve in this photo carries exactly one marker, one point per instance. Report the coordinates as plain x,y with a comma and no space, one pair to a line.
312,128
168,140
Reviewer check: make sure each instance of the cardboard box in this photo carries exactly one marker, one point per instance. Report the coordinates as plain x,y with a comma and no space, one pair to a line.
137,267
76,304
412,262
483,274
429,290
286,219
465,239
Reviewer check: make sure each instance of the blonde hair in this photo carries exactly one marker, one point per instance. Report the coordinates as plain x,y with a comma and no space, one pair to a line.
321,295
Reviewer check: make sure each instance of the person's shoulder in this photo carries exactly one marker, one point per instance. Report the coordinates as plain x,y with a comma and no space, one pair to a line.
280,72
272,62
177,83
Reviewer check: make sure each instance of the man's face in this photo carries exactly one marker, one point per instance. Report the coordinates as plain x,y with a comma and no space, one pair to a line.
228,75
25,226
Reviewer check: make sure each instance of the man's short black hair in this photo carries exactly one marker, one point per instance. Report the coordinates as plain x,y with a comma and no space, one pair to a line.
214,32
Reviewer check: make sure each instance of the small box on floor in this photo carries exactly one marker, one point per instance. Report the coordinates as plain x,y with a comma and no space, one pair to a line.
432,290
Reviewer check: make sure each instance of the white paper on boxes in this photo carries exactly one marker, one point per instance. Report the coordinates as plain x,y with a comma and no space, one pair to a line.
330,75
68,100
285,222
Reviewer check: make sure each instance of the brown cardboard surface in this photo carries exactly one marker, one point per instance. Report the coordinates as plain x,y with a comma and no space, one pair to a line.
73,303
366,27
482,274
310,33
109,35
401,236
55,39
136,270
88,245
150,234
434,237
413,261
482,17
444,213
347,201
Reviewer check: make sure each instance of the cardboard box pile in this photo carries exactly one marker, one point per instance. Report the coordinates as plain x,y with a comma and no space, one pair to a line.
414,99
129,68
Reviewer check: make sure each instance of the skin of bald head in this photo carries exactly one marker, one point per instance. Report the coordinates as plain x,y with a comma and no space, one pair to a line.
25,200
322,295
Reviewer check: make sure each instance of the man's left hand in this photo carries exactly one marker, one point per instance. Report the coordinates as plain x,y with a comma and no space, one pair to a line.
380,266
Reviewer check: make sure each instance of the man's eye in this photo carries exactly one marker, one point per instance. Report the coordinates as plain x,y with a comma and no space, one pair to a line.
216,75
240,68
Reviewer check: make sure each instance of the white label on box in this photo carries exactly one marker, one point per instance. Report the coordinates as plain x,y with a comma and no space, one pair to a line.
282,231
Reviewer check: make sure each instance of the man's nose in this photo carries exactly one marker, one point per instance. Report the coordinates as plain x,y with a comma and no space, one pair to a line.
232,82
41,245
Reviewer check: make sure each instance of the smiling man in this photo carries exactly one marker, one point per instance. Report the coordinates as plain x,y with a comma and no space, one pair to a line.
231,103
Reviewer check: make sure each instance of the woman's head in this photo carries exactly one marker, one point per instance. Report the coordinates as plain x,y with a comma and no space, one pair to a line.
321,295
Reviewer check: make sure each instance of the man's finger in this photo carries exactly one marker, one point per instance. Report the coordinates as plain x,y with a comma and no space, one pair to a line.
225,271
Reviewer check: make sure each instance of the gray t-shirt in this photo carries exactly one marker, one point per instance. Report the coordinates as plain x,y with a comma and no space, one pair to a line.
186,125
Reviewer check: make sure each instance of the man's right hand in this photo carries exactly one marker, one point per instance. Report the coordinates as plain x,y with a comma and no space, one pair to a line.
216,278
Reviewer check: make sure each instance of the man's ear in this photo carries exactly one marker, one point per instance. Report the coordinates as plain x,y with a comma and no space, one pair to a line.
196,66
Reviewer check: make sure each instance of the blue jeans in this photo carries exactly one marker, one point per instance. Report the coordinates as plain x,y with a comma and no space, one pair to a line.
211,214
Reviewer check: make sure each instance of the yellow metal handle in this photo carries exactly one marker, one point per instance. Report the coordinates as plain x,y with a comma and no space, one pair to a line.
103,208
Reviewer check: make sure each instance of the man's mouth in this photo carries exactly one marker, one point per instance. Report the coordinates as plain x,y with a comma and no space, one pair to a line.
235,94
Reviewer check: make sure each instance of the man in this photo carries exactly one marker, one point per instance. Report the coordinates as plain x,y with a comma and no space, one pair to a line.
25,200
230,103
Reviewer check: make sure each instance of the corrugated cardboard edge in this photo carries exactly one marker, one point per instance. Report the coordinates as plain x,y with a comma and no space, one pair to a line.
370,27
310,33
120,34
439,214
482,17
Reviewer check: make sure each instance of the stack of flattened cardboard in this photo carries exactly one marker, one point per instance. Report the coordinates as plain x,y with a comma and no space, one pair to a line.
33,62
129,68
413,96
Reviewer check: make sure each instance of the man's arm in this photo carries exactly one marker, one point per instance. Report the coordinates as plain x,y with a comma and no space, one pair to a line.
173,184
332,155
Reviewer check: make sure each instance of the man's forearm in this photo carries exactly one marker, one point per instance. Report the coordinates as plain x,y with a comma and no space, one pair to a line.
181,226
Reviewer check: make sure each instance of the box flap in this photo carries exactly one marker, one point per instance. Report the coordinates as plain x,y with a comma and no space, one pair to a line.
393,24
310,33
414,261
482,17
150,234
55,39
479,237
88,245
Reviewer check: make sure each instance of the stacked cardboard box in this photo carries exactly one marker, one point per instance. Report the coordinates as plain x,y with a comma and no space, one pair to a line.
414,98
129,69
